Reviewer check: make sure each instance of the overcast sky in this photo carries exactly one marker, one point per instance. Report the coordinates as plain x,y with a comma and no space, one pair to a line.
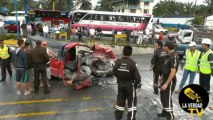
198,1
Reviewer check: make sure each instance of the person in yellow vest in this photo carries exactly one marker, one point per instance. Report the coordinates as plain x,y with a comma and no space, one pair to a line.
206,65
190,60
5,58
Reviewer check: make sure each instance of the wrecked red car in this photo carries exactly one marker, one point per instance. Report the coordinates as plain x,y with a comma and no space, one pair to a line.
80,65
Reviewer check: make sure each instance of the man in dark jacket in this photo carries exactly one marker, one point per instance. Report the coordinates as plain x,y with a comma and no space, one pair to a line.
128,79
157,63
39,59
21,64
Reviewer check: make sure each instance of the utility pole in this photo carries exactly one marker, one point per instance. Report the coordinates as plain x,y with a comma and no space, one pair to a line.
15,2
53,4
25,11
69,4
195,8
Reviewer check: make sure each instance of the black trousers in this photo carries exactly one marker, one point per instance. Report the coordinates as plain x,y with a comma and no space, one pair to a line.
166,100
126,93
5,64
205,81
157,74
40,70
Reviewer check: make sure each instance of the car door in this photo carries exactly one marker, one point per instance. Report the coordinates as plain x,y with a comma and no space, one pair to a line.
57,65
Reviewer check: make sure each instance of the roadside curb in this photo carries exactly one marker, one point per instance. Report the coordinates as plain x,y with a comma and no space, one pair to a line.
136,50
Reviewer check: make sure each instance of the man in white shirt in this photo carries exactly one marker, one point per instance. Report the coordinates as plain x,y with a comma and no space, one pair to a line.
92,34
1,26
45,30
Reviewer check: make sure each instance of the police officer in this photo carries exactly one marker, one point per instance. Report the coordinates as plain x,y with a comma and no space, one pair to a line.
39,59
5,57
157,63
128,79
206,65
168,81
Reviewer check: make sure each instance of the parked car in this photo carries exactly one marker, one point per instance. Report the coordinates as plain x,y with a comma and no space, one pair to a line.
183,36
11,28
158,28
182,47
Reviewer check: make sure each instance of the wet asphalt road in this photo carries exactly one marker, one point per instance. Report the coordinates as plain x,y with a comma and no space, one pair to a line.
93,103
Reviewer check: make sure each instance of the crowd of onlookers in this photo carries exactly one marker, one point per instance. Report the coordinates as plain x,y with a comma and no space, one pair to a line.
135,37
32,66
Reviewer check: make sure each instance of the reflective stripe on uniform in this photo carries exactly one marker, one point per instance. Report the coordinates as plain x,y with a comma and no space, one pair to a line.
131,109
124,70
119,108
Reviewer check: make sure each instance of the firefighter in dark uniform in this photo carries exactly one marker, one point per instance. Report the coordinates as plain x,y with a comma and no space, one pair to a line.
168,81
5,58
128,79
157,63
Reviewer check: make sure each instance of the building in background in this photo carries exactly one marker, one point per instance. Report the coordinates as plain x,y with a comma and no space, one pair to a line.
133,6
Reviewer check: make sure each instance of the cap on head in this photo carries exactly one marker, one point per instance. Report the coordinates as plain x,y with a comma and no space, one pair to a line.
170,45
206,41
192,44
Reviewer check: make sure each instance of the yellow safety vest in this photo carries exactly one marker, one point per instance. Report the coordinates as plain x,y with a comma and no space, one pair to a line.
192,60
4,52
205,66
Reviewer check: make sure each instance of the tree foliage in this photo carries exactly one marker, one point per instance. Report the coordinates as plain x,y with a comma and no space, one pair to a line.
104,5
59,5
84,4
199,20
171,8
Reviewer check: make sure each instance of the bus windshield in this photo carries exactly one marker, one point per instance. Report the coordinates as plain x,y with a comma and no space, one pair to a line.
77,16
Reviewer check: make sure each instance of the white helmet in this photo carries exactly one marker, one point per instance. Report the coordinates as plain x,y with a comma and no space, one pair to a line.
206,41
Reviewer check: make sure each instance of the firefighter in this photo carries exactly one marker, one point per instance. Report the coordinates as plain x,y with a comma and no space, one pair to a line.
157,63
206,65
190,59
128,79
168,81
5,58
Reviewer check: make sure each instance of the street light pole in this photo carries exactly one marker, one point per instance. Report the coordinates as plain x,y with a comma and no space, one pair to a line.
195,7
25,11
68,1
15,2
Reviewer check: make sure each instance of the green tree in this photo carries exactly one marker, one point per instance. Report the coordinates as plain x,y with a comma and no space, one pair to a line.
189,8
104,5
59,4
199,20
168,8
84,4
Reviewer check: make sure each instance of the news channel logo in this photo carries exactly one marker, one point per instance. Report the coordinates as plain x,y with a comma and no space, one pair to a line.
194,99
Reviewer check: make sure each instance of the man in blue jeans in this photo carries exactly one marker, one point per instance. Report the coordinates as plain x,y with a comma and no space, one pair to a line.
190,59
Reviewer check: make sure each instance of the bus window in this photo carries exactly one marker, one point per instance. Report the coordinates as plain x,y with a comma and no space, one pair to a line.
102,17
120,19
137,19
132,19
127,19
96,17
87,17
114,18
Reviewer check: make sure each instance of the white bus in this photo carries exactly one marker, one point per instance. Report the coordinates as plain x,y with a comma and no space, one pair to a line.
107,21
